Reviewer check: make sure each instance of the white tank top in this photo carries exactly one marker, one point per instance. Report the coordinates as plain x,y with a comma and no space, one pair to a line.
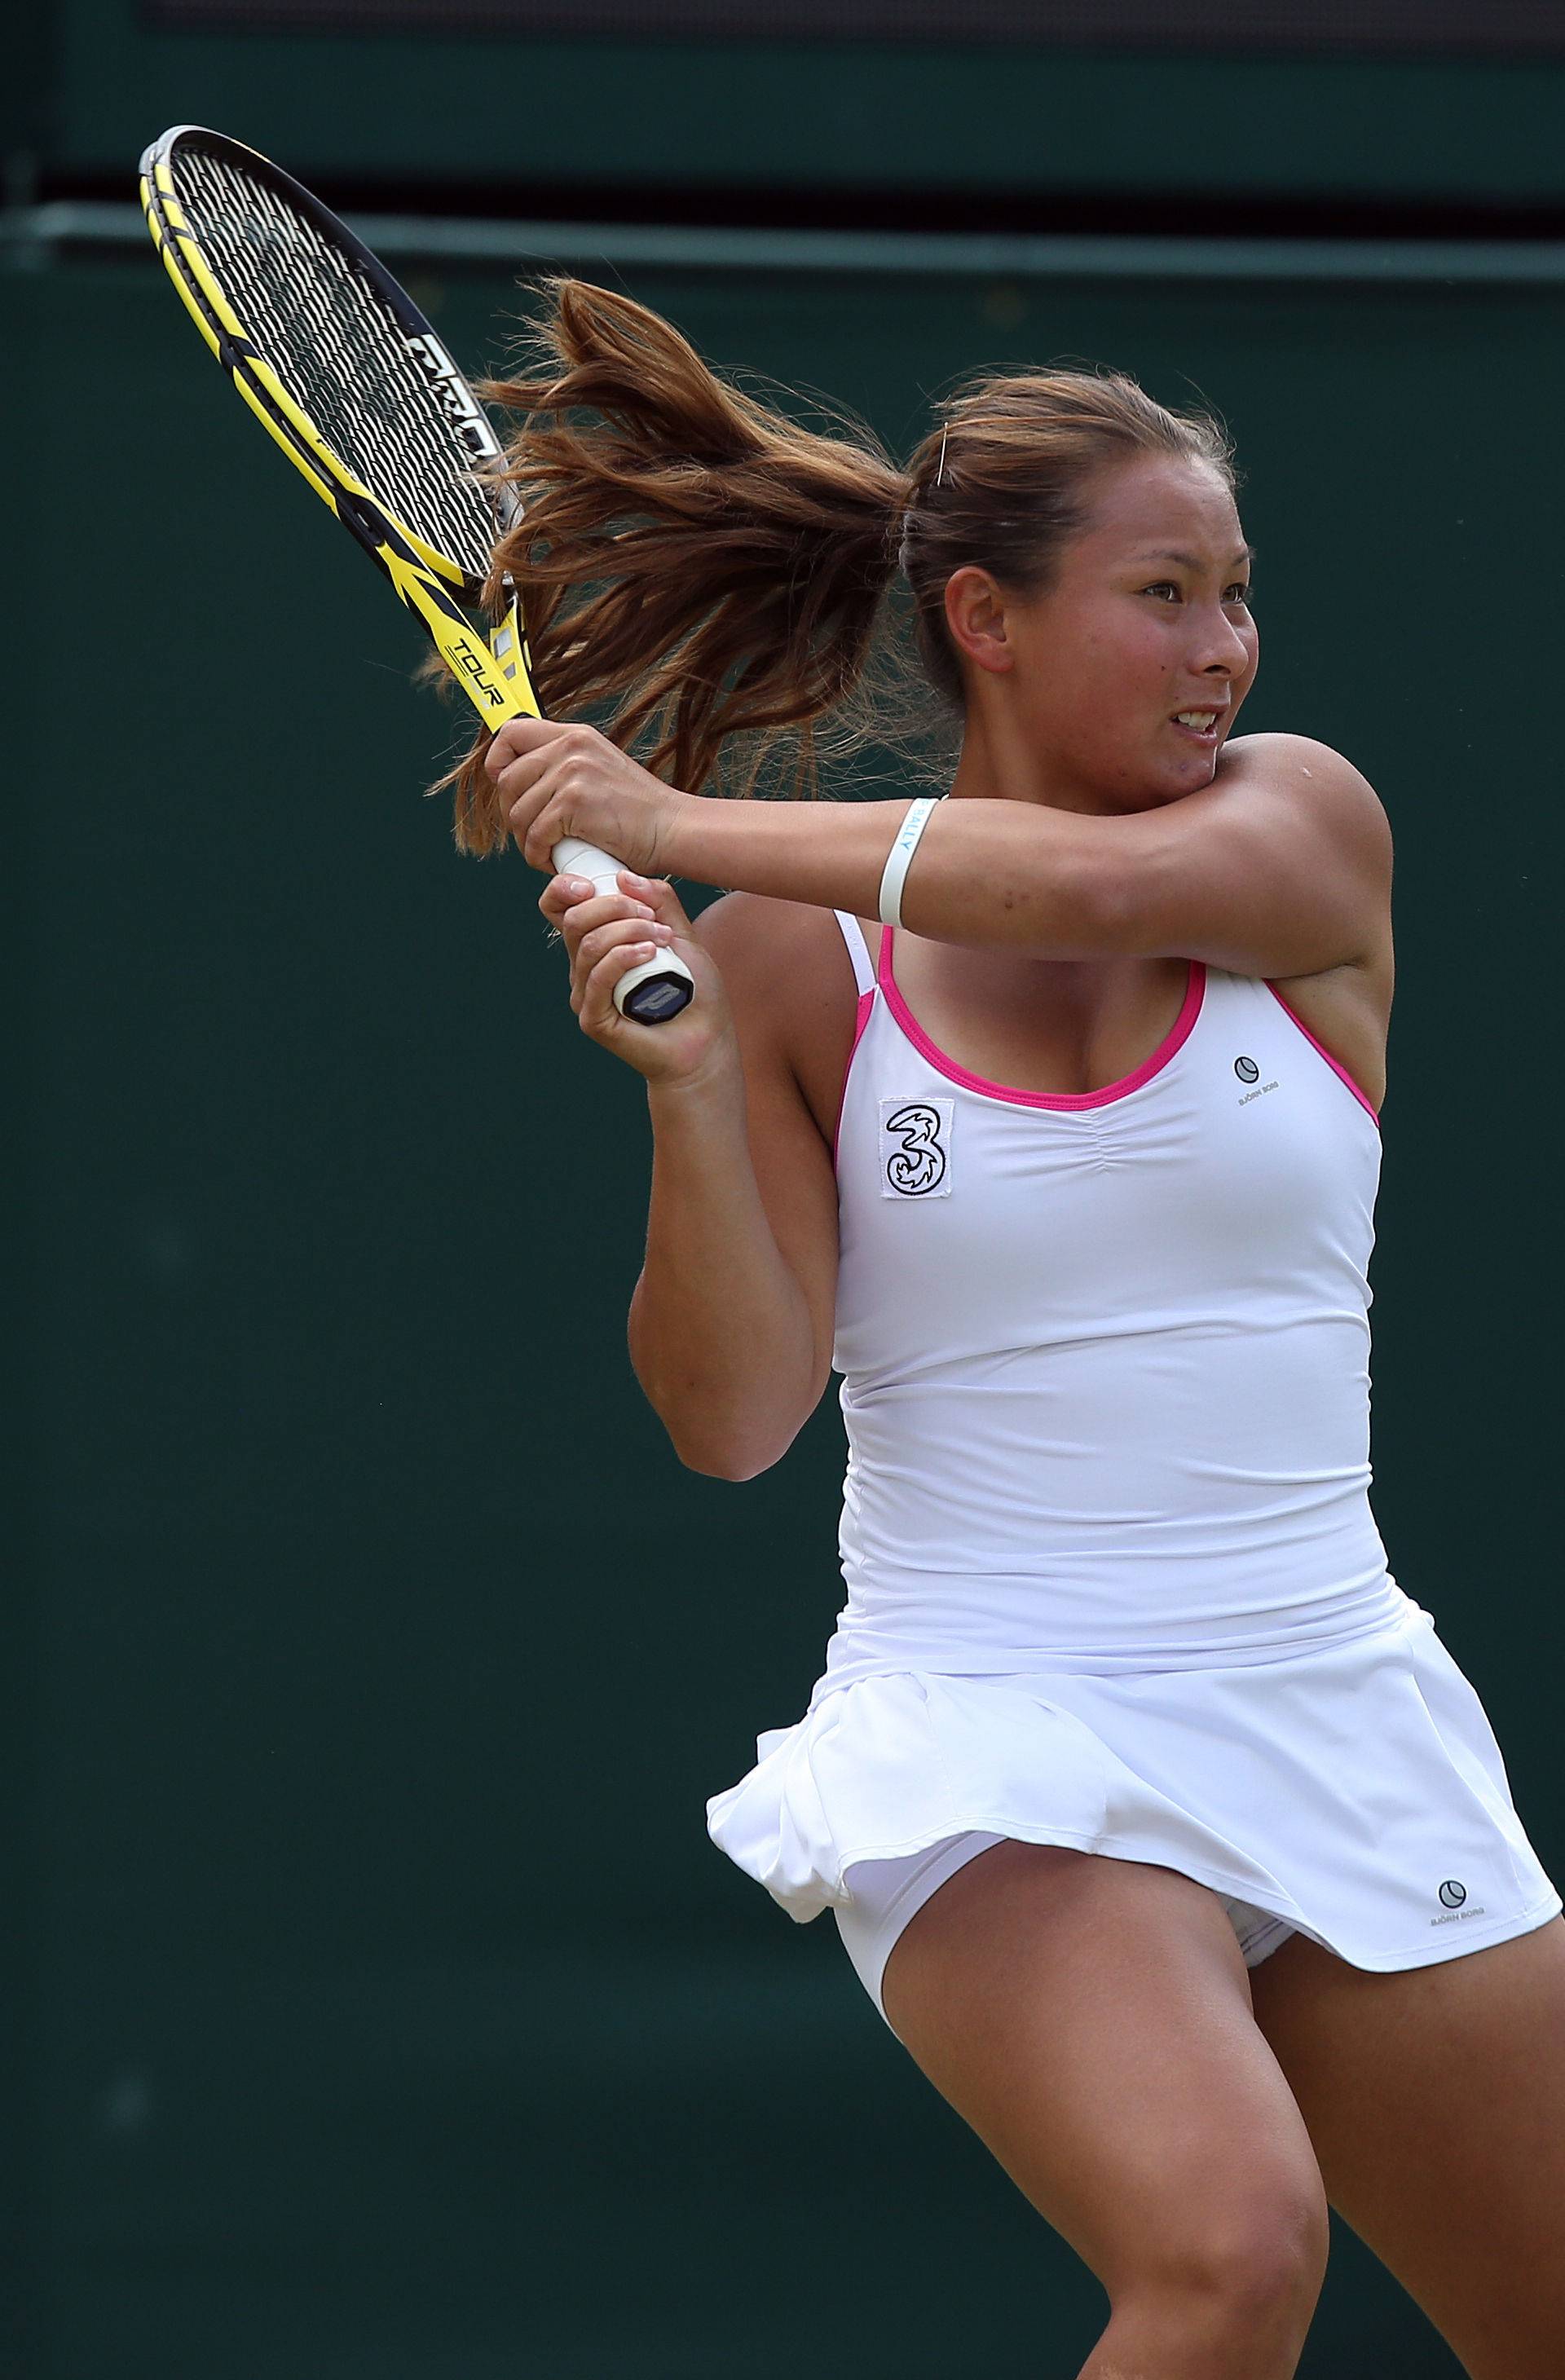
1105,1354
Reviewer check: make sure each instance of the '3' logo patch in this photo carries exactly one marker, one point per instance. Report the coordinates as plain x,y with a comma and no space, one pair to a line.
916,1147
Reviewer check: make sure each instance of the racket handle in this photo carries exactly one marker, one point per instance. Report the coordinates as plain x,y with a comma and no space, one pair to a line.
649,994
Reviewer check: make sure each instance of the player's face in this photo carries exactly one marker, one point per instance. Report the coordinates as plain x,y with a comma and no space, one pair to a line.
1148,617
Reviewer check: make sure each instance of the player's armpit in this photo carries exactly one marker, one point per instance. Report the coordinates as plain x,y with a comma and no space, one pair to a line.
1280,866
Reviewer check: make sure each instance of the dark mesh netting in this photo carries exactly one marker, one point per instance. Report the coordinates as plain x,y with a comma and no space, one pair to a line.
379,399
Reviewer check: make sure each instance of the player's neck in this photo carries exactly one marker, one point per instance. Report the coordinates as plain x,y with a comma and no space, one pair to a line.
1002,761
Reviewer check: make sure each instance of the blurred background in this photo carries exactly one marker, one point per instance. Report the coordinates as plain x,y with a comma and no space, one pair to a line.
351,1594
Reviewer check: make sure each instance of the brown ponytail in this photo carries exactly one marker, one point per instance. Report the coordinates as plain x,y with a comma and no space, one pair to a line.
694,565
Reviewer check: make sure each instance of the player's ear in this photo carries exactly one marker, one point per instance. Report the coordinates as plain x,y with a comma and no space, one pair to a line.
976,617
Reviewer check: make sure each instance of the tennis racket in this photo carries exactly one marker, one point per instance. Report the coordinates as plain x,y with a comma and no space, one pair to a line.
335,359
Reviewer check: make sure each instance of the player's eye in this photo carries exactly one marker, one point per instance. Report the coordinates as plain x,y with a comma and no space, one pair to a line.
1238,593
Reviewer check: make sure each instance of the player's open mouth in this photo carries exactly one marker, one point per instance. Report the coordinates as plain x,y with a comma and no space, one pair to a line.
1201,726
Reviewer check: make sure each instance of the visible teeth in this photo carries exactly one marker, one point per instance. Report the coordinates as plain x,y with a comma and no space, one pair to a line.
1197,718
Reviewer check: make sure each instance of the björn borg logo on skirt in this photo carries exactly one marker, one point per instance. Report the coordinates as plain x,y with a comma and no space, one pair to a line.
1453,1897
916,1147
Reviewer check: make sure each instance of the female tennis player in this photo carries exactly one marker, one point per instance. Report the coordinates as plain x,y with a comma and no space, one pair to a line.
1158,1823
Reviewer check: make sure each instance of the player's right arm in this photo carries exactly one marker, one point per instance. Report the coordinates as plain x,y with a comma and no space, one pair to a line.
731,1320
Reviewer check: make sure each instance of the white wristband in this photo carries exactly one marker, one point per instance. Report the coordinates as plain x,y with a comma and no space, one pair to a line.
900,856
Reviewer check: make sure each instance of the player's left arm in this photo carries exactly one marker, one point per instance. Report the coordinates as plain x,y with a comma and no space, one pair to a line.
1280,866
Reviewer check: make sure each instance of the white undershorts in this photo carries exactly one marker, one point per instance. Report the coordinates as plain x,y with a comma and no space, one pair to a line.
888,1893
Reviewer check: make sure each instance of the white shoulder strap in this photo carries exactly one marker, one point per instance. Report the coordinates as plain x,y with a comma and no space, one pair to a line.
858,949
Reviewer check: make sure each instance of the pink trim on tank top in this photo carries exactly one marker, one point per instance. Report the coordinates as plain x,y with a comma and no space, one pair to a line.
1337,1069
1172,1041
866,1002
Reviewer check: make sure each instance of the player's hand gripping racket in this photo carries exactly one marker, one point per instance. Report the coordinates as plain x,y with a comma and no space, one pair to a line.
351,381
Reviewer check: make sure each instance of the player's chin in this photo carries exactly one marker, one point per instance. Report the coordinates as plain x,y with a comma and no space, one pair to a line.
1185,771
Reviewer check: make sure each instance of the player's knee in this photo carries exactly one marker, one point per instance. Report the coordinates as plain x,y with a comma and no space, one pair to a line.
1259,2261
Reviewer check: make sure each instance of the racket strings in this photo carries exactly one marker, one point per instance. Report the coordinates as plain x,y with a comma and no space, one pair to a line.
337,348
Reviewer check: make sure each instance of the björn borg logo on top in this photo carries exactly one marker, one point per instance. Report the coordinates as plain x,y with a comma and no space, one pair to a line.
916,1147
1248,1071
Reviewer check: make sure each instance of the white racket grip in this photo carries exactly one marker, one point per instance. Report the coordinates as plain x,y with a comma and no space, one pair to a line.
661,987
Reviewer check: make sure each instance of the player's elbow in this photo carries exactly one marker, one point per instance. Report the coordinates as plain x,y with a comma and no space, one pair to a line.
730,1457
736,1438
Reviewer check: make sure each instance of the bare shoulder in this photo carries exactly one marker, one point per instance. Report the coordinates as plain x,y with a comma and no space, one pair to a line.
754,928
1298,767
1348,1008
790,983
785,955
1347,828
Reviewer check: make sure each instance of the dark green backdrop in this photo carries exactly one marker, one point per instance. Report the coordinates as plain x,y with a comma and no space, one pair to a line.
375,2004
87,81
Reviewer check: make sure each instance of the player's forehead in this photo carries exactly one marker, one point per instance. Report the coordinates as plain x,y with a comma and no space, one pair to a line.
1154,507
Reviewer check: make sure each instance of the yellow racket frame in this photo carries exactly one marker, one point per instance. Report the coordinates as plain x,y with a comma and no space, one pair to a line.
494,672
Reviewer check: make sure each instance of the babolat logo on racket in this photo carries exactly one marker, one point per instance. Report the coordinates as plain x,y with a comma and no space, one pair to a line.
916,1147
459,403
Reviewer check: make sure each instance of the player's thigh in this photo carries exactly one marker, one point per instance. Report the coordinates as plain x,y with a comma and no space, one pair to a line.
1090,2019
1435,2101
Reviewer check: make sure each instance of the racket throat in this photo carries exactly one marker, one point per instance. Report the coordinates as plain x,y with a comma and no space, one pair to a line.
513,658
496,694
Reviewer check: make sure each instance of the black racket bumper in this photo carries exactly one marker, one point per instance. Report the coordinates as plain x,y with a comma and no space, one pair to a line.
658,1000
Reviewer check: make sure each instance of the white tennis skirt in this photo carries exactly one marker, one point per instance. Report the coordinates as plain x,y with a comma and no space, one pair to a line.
1355,1791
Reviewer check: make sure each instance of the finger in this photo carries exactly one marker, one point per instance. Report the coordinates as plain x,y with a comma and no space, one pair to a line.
581,923
524,747
527,782
536,820
661,897
524,782
541,821
518,736
612,935
598,1012
563,893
